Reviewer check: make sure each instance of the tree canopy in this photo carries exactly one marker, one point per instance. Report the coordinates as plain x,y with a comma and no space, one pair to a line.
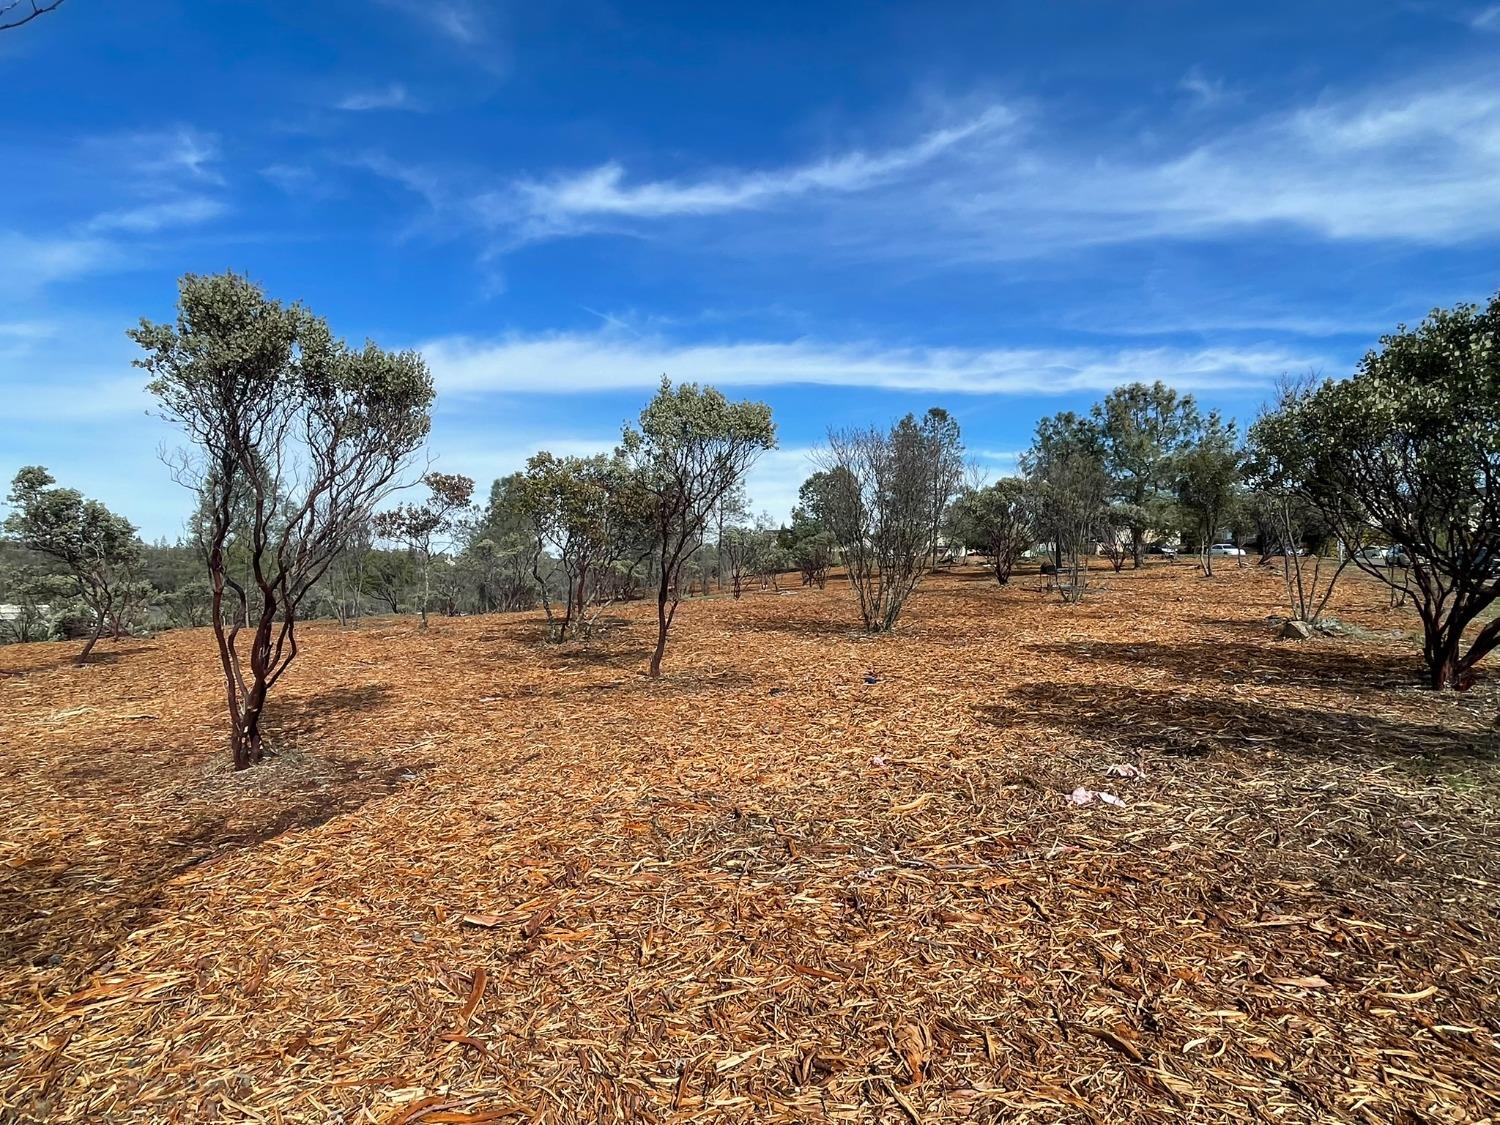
1409,447
692,447
98,550
290,428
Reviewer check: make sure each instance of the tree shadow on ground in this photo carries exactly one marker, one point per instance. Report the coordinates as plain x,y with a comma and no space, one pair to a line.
1270,662
1171,722
986,593
966,576
293,719
67,657
64,909
806,626
582,654
1255,628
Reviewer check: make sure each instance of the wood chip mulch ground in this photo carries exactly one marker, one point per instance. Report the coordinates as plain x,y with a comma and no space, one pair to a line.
808,876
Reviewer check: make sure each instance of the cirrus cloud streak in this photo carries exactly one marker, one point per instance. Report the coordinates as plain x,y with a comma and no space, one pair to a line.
584,362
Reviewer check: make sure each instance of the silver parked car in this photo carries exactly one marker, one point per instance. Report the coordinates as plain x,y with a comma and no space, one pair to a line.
1382,556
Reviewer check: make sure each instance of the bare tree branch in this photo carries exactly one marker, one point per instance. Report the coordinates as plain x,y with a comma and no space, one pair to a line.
35,9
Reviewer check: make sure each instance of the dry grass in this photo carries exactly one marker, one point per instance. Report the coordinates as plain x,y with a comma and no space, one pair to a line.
490,881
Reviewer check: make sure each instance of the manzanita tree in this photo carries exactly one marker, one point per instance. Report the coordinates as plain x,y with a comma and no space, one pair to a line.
1275,461
426,529
294,432
1409,448
583,513
998,518
693,446
98,550
877,494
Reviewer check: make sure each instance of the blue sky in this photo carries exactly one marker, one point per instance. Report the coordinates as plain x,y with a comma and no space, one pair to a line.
847,210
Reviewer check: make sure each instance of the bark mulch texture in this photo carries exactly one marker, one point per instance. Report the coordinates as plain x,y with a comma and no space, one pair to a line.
1131,860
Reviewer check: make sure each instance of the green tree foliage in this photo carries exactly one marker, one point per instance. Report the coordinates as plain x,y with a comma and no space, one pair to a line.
768,558
999,519
814,555
1409,448
500,556
32,597
290,428
389,578
692,448
737,547
190,604
1070,492
1208,478
809,545
940,434
582,512
1292,531
426,529
98,550
1141,431
1064,468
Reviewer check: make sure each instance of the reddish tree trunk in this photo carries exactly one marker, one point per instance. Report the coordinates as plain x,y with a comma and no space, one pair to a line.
88,647
245,739
662,593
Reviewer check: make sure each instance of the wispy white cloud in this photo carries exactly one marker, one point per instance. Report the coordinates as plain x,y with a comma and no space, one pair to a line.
1404,165
1419,165
561,203
27,330
28,263
1415,162
438,190
141,183
1486,19
457,20
1201,89
154,156
461,22
394,96
152,217
997,456
564,363
68,367
75,399
144,183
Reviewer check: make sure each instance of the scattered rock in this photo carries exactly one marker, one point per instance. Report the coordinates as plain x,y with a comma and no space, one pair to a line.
1295,631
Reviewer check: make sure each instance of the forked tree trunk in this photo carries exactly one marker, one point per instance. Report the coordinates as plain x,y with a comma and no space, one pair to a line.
1442,654
1440,649
245,740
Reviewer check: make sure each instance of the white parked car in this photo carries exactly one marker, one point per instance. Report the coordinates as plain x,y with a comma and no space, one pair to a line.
1226,550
